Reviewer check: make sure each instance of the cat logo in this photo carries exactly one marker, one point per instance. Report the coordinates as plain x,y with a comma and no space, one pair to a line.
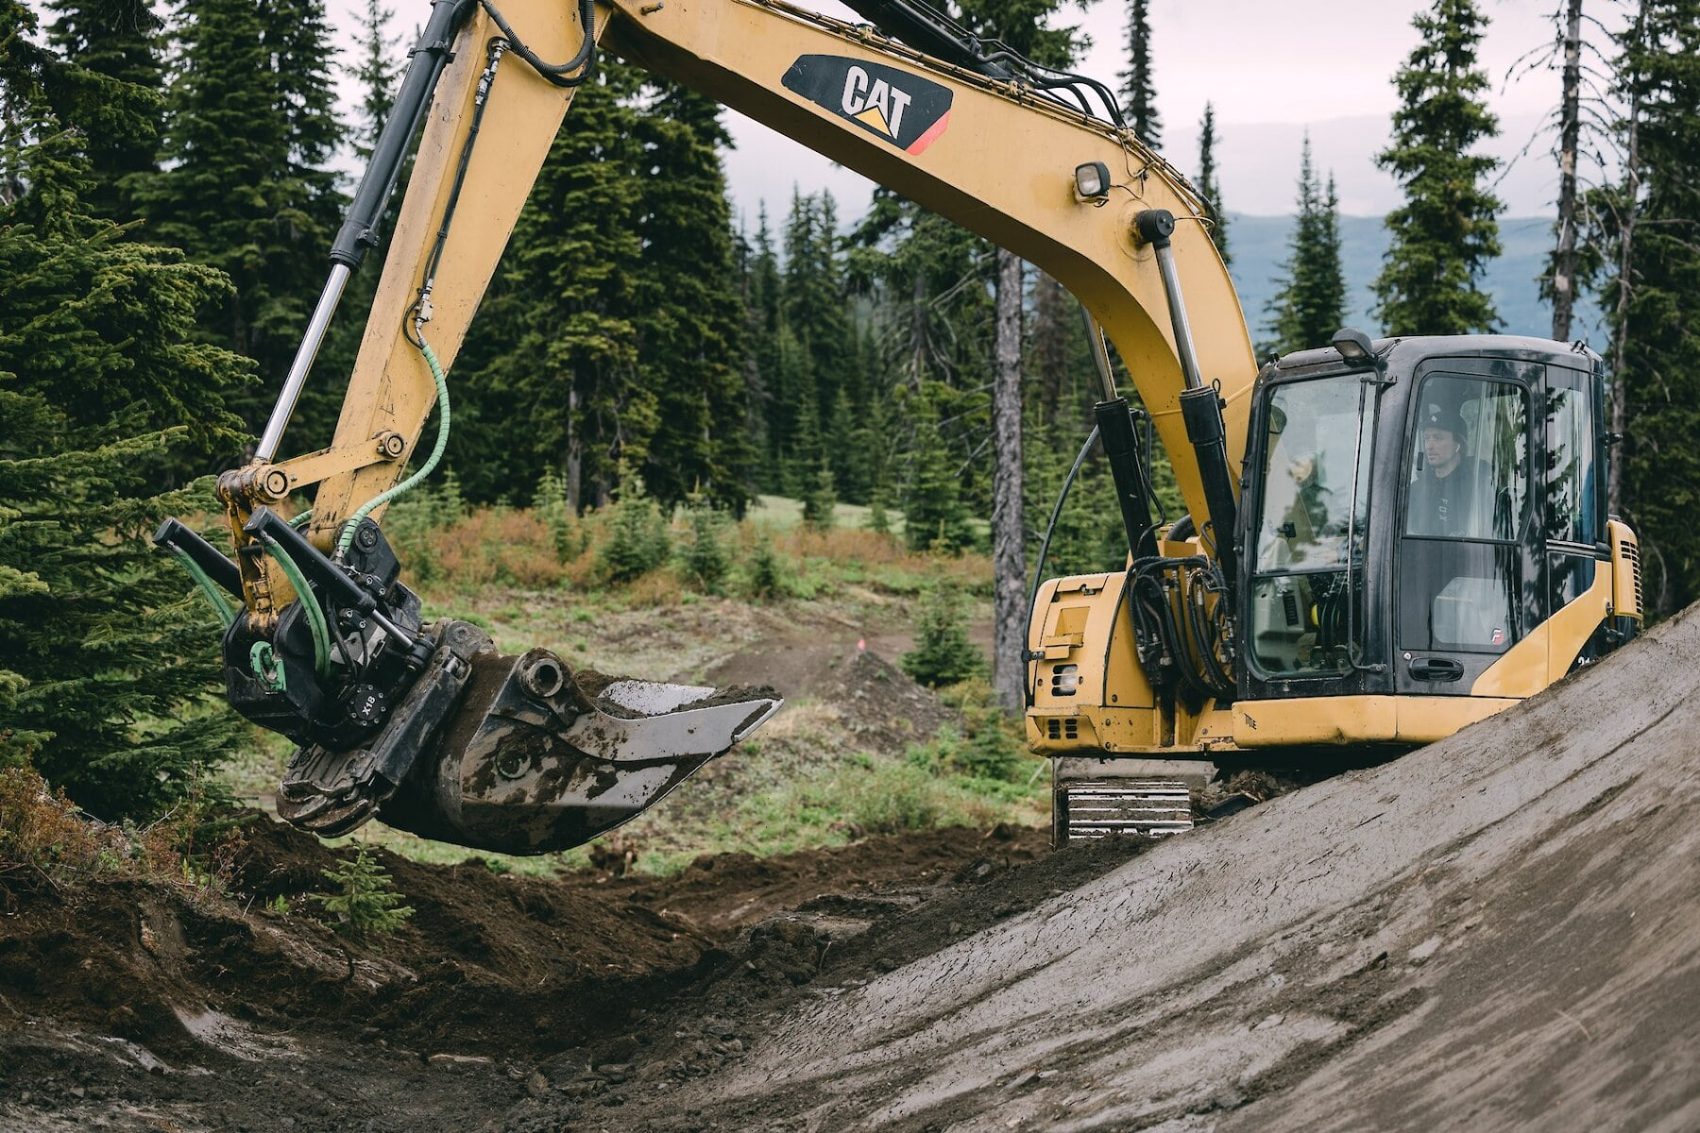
902,108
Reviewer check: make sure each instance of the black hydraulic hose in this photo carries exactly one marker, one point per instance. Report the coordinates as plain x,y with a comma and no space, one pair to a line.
584,61
1204,637
1045,545
480,101
359,232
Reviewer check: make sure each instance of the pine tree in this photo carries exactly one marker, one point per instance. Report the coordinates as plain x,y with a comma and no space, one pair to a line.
1447,230
1311,305
112,90
1656,324
1139,87
377,72
106,660
935,517
762,291
814,310
690,329
558,345
1209,186
247,186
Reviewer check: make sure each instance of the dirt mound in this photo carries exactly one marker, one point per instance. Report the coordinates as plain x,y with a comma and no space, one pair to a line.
121,997
880,707
1497,931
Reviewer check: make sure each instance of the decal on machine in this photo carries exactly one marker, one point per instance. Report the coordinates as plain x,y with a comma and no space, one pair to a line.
903,108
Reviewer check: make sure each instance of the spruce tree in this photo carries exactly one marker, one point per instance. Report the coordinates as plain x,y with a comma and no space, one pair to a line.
112,90
689,325
1208,184
377,72
106,658
762,317
1139,87
1447,230
246,184
1311,304
1656,323
557,345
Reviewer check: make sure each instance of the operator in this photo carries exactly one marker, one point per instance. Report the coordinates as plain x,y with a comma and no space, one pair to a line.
1444,494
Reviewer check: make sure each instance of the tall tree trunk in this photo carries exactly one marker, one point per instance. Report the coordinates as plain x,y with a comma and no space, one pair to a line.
1009,562
1625,288
1570,129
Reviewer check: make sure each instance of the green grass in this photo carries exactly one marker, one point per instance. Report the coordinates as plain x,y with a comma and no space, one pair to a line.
799,784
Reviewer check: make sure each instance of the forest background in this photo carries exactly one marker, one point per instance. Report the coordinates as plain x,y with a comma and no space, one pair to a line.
171,179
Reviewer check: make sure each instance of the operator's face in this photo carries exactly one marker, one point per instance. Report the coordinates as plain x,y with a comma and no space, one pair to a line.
1440,450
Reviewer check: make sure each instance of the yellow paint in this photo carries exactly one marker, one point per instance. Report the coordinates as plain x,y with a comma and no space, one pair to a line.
1626,570
1358,719
736,51
872,117
1548,652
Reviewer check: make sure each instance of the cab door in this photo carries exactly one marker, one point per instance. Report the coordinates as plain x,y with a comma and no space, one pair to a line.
1573,489
1471,569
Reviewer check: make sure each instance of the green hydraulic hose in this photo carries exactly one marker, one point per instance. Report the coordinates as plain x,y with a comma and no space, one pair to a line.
348,529
208,587
315,615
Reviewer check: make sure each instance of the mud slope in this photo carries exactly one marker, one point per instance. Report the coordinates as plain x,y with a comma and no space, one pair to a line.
1500,931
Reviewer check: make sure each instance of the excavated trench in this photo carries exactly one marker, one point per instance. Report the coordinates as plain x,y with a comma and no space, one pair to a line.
1501,931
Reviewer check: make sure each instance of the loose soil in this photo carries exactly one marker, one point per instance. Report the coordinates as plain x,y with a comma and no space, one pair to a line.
1501,931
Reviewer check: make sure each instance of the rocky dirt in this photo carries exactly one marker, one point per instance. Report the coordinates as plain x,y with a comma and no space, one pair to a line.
1501,931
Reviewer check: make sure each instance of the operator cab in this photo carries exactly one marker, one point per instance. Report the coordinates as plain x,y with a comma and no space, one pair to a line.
1412,516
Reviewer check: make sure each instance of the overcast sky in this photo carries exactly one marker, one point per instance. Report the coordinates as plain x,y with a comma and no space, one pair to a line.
1273,70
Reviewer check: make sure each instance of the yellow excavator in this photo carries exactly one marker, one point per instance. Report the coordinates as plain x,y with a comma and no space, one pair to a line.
1384,542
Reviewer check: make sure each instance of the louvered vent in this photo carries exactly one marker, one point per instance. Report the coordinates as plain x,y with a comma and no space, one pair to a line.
1067,728
1632,554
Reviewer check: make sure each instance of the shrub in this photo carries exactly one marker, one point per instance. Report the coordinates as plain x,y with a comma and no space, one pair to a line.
637,536
364,901
943,654
704,560
766,576
993,745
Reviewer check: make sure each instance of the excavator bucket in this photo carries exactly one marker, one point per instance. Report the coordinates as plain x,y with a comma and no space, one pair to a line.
428,727
526,756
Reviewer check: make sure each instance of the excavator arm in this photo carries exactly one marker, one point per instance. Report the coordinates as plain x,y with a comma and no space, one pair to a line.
425,724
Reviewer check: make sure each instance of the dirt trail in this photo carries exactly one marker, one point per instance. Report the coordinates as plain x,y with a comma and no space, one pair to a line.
1499,931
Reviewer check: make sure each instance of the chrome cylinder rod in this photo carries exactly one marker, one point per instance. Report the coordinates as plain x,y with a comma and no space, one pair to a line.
1100,354
309,349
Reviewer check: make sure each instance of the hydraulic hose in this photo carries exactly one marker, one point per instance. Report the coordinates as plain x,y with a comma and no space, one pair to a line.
346,539
309,604
208,587
555,73
1050,529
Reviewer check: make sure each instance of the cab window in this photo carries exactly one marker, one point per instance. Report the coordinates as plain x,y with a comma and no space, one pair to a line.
1469,460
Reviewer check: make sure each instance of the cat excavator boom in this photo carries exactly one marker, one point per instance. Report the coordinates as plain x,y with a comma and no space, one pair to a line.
1219,639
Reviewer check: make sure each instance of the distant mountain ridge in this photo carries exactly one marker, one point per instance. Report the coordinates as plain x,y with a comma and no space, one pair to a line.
1258,245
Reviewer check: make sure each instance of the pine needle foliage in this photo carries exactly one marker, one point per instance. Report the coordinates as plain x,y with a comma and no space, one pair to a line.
363,902
1447,230
106,657
1311,304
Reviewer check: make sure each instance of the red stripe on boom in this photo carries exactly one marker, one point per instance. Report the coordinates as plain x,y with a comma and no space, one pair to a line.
931,136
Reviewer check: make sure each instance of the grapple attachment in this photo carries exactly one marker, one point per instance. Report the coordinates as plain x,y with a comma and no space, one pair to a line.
427,727
519,754
538,760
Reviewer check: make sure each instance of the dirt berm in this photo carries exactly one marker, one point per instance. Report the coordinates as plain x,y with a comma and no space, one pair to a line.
1501,931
